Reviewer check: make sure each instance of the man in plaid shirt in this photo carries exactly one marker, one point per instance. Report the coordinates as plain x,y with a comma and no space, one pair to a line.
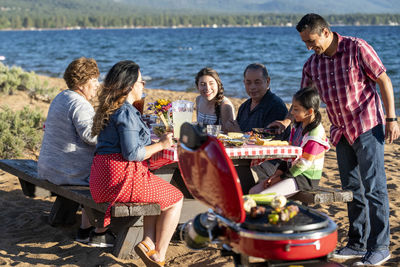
346,70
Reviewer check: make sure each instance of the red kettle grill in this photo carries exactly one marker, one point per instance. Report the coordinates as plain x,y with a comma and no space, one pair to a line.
211,178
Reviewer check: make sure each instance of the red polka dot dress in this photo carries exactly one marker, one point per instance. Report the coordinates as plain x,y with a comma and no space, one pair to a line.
113,179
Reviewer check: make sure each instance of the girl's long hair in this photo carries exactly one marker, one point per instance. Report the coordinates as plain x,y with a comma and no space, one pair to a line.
113,92
220,94
308,98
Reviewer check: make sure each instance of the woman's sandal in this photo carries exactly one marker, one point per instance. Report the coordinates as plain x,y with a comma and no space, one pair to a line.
144,252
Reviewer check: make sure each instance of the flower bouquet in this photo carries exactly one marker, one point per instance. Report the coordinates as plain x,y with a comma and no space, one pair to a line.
160,107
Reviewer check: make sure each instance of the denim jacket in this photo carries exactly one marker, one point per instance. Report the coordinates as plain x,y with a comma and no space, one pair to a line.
125,133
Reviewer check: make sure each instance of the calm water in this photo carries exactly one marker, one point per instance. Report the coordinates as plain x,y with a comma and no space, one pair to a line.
170,58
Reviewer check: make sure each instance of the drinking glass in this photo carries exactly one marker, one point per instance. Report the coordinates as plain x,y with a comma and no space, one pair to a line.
213,130
182,111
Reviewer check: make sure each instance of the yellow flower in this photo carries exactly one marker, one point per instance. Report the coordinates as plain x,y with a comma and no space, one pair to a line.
163,102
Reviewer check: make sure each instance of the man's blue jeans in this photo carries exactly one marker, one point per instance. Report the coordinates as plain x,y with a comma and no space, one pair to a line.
362,171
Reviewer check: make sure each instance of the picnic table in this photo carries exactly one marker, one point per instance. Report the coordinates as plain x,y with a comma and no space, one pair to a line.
165,162
243,158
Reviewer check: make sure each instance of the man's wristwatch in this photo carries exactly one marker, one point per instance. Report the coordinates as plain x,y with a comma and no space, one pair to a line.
391,119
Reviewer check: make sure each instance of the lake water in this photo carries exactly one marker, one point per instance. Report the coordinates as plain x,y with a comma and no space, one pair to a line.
170,58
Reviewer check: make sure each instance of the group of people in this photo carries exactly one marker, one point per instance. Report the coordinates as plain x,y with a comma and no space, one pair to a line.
107,148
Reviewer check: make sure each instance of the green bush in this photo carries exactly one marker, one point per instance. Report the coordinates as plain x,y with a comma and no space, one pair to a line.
19,131
15,78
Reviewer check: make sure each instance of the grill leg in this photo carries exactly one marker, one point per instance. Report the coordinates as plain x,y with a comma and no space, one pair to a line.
241,260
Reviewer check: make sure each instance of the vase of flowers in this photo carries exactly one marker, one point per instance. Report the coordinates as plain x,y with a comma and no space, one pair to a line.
160,107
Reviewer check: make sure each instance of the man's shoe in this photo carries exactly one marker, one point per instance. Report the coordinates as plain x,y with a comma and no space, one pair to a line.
83,234
102,240
346,253
374,258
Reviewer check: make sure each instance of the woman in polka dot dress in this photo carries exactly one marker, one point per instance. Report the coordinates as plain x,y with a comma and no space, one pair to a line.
119,172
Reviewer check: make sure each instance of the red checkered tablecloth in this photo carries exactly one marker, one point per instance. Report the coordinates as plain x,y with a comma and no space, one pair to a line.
258,154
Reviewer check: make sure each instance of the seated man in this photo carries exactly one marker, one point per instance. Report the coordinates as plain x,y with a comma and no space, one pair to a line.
262,108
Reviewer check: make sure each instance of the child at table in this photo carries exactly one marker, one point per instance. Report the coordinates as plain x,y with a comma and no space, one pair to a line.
305,172
119,172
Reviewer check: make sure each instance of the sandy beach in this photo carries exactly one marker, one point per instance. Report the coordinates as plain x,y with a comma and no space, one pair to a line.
28,240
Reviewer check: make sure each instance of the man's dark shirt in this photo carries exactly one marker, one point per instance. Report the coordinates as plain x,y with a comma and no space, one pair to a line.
271,108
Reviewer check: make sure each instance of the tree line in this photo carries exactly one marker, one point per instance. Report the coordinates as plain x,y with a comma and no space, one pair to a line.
27,21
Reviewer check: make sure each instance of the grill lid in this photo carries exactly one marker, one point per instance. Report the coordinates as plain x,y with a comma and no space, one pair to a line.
209,174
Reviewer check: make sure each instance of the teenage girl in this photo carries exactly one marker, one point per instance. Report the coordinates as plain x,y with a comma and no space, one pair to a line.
212,106
305,172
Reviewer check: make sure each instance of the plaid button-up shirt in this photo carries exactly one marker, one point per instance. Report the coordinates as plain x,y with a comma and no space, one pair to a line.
346,85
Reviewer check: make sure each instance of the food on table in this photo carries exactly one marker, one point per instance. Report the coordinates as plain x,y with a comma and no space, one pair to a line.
235,135
267,142
233,142
222,136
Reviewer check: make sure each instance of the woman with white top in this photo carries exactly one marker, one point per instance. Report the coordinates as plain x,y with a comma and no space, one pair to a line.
211,105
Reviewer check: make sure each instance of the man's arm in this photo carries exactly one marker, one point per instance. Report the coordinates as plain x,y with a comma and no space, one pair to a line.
392,131
283,124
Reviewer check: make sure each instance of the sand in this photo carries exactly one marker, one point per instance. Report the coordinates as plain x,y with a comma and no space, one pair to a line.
27,239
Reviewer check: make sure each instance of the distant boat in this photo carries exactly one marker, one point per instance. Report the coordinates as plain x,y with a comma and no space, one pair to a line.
2,58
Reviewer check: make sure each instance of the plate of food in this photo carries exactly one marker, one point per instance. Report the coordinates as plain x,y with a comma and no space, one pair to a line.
233,142
265,133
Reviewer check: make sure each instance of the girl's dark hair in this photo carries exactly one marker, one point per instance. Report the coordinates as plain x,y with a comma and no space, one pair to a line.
220,94
114,90
308,98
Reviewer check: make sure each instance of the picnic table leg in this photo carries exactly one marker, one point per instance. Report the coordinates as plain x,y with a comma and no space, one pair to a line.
96,218
245,175
129,233
63,211
32,190
178,182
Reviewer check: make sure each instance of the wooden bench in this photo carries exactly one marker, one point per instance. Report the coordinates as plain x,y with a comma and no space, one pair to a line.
322,195
125,220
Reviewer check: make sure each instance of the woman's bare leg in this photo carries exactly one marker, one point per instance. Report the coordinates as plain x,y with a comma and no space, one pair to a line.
149,230
166,224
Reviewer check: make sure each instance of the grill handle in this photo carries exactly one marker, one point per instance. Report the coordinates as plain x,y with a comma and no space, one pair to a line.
317,245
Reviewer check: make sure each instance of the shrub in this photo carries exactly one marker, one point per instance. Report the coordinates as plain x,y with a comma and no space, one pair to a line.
19,131
15,78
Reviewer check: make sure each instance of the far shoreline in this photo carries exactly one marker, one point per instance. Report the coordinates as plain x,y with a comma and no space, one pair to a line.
78,28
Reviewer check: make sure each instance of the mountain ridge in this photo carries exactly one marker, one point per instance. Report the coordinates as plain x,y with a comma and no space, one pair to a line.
273,6
211,6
